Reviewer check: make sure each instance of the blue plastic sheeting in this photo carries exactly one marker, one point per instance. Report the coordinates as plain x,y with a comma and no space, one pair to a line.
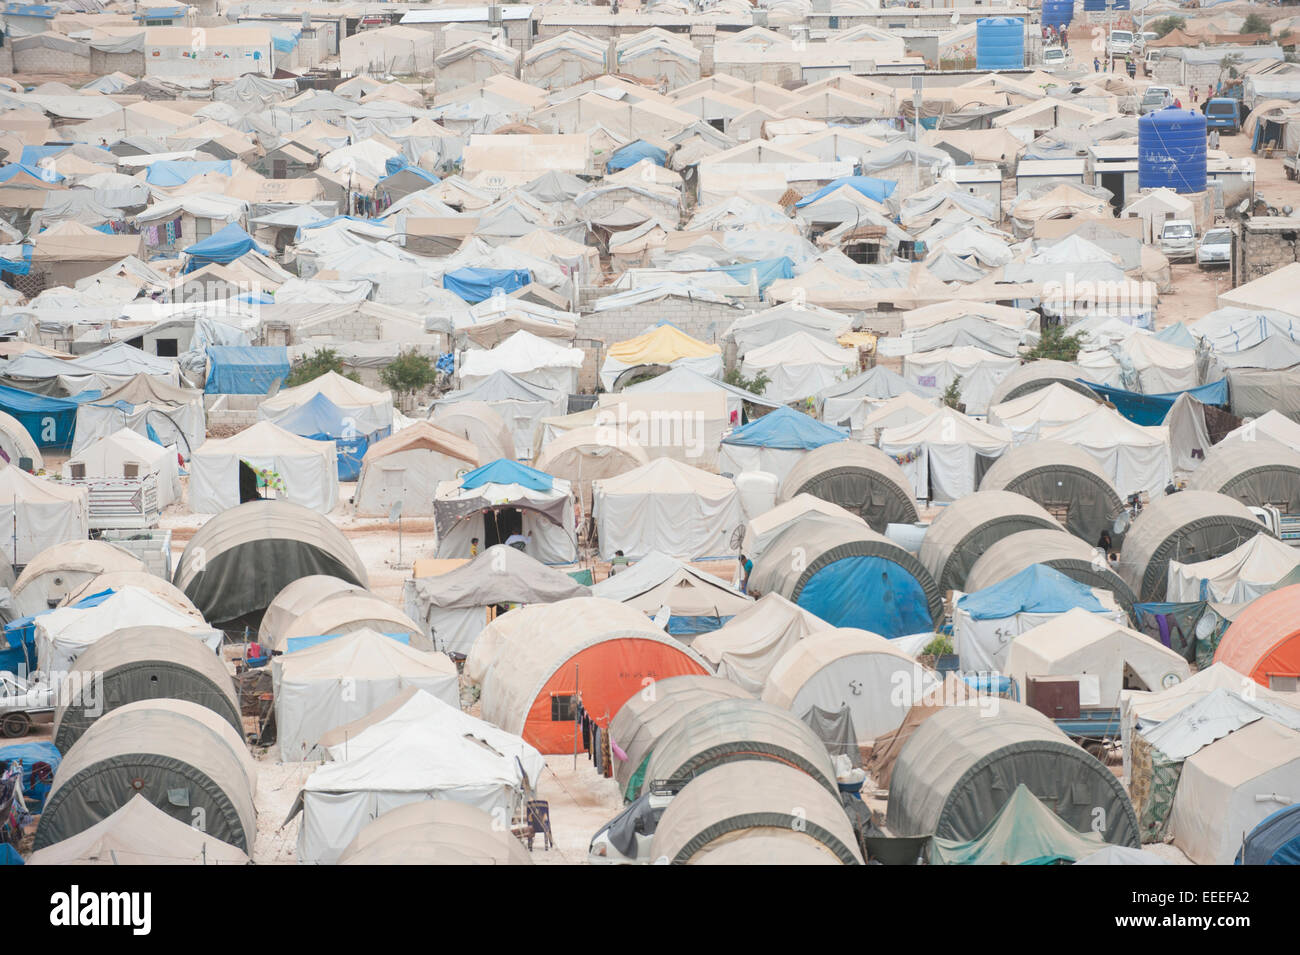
30,754
788,430
221,247
50,421
94,600
476,285
988,682
693,626
768,271
9,855
36,172
18,266
305,643
395,164
322,420
869,186
1152,409
1275,841
20,636
284,44
1036,589
633,153
1176,334
177,172
245,369
871,593
505,471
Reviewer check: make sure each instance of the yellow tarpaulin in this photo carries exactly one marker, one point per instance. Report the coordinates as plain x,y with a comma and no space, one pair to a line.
436,566
660,346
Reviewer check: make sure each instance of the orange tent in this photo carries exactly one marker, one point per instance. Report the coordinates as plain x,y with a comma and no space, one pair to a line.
1264,640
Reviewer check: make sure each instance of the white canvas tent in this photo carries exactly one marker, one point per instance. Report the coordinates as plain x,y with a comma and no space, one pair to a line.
36,514
1049,407
309,469
946,454
344,679
407,467
539,361
1106,656
1237,577
126,455
980,372
764,528
371,411
666,506
1134,457
799,366
745,649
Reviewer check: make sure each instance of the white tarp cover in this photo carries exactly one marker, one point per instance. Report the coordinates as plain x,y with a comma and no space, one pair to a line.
62,634
799,365
979,370
941,454
422,749
747,646
983,644
408,466
1239,576
1049,407
548,540
37,514
1230,786
344,679
1134,457
108,458
540,361
308,468
666,506
1079,643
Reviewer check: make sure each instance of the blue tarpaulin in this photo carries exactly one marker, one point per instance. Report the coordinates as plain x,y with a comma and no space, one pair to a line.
786,429
477,285
294,644
245,369
1176,334
1275,841
20,637
177,172
1152,409
322,420
870,593
396,164
50,421
505,471
1036,589
36,172
30,754
19,266
633,153
869,186
221,247
768,271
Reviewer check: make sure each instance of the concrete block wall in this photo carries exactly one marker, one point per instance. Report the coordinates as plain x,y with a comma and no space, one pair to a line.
41,59
1265,252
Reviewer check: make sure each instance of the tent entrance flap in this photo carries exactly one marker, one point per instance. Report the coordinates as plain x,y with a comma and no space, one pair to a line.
500,524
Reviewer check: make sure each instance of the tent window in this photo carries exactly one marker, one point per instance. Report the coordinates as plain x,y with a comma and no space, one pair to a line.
202,229
562,708
131,470
166,347
1283,684
394,478
78,470
1059,510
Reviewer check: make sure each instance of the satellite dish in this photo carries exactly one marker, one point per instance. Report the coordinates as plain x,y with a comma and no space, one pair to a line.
1120,524
1205,626
395,512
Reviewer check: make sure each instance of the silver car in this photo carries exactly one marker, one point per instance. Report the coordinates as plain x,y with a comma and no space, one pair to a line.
1215,249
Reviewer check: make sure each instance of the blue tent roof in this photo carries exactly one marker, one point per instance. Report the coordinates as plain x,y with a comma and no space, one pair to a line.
224,246
18,266
477,285
1176,334
1275,841
245,369
13,399
633,153
1152,409
769,270
1036,589
177,172
317,416
786,429
505,471
869,186
36,172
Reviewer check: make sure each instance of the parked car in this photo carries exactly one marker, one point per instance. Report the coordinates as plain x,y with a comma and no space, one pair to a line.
22,704
1153,99
1178,240
1055,57
1223,114
1120,43
1215,249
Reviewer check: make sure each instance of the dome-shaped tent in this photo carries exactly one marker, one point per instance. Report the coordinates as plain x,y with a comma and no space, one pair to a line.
57,571
962,764
768,847
1264,639
1033,375
1257,473
16,443
833,669
297,598
762,529
738,730
1187,526
139,579
966,529
640,722
1064,480
752,797
859,478
241,559
143,663
588,454
349,613
1275,841
435,832
182,757
850,577
533,662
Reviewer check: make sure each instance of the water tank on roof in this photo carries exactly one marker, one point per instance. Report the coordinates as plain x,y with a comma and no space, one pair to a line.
1057,13
1000,43
1171,150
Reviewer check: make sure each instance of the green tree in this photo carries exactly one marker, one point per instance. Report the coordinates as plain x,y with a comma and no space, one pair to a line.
409,372
756,385
1055,345
320,362
1166,25
1254,23
952,394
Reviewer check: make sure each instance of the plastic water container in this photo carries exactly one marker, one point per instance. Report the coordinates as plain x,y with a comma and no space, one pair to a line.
757,491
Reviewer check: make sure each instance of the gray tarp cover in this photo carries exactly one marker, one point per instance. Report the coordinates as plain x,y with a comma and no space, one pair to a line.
180,756
967,528
835,729
1054,473
962,764
1253,391
500,574
1033,375
140,664
242,558
857,477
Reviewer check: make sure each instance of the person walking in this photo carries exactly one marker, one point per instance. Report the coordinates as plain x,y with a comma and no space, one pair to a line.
1096,65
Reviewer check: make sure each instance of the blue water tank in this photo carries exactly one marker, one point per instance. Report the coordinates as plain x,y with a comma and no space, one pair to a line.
1057,13
1000,43
1171,150
1101,6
